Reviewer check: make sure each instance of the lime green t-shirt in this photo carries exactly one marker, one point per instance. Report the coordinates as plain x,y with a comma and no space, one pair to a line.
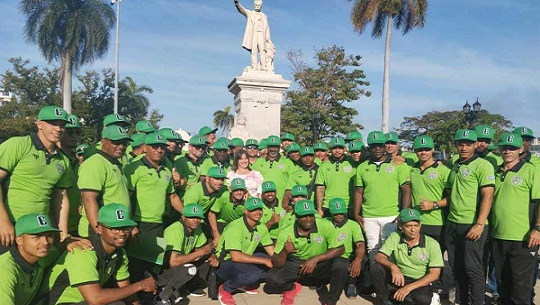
335,176
381,185
465,181
238,236
151,187
305,177
103,174
74,195
323,237
189,169
201,195
268,211
349,233
179,240
33,173
276,171
413,262
514,190
226,209
429,184
211,162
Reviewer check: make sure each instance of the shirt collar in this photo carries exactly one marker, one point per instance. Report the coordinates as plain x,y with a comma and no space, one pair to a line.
146,162
25,266
434,165
474,157
98,247
387,159
38,145
109,158
332,159
515,168
275,160
248,227
314,168
314,229
340,224
186,230
421,242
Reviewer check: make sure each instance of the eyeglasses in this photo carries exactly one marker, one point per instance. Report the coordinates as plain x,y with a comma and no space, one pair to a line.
251,147
422,149
119,142
117,230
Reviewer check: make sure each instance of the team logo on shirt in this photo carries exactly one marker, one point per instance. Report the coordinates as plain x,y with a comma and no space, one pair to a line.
423,257
318,239
491,178
390,169
167,178
282,213
60,168
281,166
517,180
342,236
257,237
347,169
433,175
465,171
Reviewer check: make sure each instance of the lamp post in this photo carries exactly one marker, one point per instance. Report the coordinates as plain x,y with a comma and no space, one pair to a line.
117,54
315,131
471,113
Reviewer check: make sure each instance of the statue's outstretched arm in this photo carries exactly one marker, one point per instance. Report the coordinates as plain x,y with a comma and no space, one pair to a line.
242,10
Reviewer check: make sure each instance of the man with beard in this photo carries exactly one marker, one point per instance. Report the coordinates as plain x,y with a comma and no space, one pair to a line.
308,252
220,158
241,269
333,177
377,193
101,178
35,175
485,135
189,166
229,208
272,210
305,175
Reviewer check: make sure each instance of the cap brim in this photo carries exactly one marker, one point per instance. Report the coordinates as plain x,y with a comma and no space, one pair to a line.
41,230
120,224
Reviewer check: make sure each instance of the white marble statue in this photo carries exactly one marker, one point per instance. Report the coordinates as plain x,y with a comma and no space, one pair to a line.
257,37
240,129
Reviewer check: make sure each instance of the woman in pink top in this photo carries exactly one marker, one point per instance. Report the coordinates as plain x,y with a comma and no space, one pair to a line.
241,169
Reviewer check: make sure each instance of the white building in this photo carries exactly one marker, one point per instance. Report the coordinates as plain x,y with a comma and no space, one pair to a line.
5,97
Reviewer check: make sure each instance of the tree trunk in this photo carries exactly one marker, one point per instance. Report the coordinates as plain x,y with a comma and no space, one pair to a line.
66,82
386,78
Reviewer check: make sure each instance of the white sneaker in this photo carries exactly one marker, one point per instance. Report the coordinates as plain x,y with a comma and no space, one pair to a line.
435,299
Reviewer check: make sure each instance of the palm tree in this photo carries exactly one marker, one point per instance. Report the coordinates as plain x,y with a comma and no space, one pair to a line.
75,32
404,14
132,99
224,120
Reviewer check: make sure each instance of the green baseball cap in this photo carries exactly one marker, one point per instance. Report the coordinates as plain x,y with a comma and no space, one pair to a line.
376,137
155,138
273,141
306,151
320,146
510,139
144,126
53,113
238,184
170,135
80,149
205,130
115,215
269,186
115,119
423,141
466,135
138,139
337,206
484,132
115,132
304,207
34,223
73,121
293,147
263,144
354,136
287,136
299,190
198,141
492,146
391,137
337,142
193,210
237,142
221,145
252,142
355,146
407,215
524,132
253,203
216,172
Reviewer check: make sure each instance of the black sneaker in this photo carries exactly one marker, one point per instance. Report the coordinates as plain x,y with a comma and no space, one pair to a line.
197,293
351,292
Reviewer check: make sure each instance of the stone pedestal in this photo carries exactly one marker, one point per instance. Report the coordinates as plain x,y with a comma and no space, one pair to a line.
258,95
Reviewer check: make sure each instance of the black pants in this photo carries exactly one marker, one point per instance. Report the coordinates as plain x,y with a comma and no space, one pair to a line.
335,272
138,268
437,233
383,286
465,258
514,269
171,280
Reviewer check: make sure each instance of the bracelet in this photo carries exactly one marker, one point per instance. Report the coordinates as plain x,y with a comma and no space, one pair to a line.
480,224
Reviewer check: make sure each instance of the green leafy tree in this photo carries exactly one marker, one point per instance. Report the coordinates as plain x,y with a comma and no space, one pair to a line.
404,15
132,100
315,108
441,126
74,32
224,120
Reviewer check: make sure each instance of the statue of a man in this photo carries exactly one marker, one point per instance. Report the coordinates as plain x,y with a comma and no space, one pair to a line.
240,129
257,37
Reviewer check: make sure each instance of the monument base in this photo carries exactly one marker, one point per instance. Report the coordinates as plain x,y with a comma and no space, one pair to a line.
258,96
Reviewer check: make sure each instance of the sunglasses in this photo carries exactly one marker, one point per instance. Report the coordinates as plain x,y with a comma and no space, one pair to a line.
117,230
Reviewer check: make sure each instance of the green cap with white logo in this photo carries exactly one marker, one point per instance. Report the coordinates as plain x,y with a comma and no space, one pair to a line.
354,146
252,142
115,132
115,215
354,136
485,132
155,138
138,139
407,215
34,223
198,141
423,141
205,130
523,131
304,207
337,142
216,172
273,141
293,147
253,203
392,137
115,119
510,139
320,146
466,135
193,210
53,113
337,206
238,184
299,190
376,137
144,126
307,150
73,121
287,136
269,186
237,142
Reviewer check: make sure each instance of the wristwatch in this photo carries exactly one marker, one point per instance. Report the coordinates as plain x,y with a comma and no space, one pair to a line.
537,228
435,205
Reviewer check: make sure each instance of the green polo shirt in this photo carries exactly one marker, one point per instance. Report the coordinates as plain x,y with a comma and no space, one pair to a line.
465,181
268,211
200,194
179,240
277,171
103,174
151,186
429,184
74,195
212,162
33,173
349,233
410,157
413,262
189,169
322,237
381,185
514,190
238,236
493,159
20,280
305,177
226,209
82,268
335,176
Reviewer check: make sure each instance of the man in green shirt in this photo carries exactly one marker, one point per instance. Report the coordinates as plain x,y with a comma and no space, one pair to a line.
309,251
137,147
321,152
407,263
252,149
272,210
241,268
143,126
528,137
515,236
393,149
305,174
292,151
286,138
101,178
274,167
35,175
208,133
229,208
189,166
485,136
471,184
220,158
100,276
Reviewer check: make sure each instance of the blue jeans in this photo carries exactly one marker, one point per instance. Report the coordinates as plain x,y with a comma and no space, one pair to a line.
237,275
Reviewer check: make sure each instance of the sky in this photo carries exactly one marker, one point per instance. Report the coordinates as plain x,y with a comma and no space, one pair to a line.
188,51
